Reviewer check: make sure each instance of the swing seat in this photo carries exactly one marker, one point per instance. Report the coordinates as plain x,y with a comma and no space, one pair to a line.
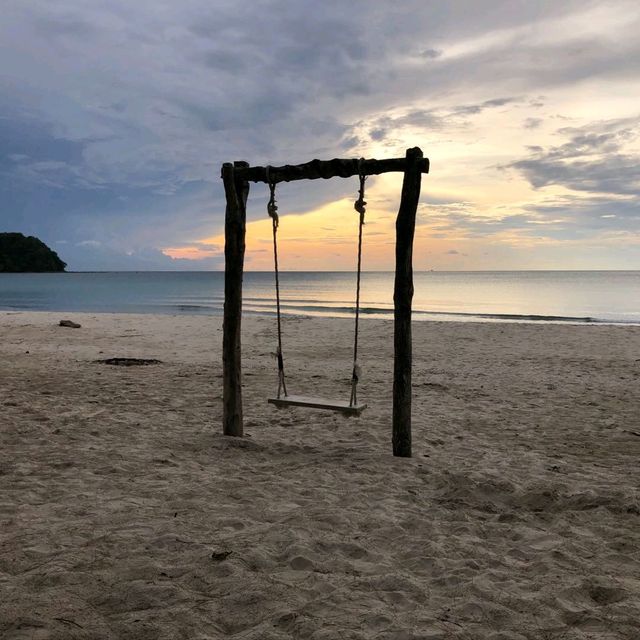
341,406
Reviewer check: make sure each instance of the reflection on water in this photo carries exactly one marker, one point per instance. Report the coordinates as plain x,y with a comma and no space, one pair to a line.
573,296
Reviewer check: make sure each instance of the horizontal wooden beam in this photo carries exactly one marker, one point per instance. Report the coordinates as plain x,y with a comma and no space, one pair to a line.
336,168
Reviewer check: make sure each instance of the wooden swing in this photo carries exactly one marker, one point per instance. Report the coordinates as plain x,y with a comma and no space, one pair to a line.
284,399
236,177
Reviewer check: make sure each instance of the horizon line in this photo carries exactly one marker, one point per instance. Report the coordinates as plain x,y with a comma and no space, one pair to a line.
334,271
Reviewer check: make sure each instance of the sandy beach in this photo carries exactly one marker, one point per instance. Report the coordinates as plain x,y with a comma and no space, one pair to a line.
124,513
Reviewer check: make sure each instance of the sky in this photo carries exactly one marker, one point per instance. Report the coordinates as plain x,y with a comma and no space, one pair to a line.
116,116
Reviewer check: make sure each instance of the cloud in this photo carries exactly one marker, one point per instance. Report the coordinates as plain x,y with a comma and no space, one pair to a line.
532,123
590,216
98,257
379,133
592,160
474,109
431,53
440,119
565,218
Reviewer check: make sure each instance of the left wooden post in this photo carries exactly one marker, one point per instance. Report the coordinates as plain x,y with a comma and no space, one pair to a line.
236,193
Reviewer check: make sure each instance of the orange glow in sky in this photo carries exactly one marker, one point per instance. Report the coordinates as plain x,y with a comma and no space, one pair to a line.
506,188
191,252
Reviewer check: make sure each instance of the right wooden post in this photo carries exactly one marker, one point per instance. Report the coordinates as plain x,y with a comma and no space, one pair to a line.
402,297
236,192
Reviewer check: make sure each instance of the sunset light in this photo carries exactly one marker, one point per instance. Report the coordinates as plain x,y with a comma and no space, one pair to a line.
320,319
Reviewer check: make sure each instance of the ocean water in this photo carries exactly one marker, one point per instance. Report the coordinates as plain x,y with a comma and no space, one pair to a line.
525,296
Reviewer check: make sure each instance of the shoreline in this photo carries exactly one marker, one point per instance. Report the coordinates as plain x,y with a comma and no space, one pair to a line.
125,512
417,317
572,297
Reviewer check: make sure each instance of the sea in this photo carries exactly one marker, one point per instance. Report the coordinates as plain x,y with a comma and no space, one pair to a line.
482,296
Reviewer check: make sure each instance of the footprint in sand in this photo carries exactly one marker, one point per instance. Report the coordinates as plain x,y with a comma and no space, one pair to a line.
300,563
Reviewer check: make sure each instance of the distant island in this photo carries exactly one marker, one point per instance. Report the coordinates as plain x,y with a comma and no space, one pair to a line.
26,254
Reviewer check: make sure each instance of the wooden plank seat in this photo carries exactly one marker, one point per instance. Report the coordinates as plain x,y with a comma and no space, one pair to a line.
342,406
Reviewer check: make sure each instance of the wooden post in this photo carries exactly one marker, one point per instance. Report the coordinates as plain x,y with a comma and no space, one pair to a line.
236,192
402,297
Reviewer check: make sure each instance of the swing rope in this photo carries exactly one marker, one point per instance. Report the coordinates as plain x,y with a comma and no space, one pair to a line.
360,207
272,209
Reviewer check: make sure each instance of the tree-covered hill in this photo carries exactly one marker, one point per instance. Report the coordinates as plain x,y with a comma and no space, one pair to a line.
20,253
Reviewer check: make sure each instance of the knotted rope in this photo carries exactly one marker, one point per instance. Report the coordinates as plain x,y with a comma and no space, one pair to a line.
272,209
360,206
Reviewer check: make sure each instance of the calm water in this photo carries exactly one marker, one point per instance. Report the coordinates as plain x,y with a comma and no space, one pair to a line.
569,296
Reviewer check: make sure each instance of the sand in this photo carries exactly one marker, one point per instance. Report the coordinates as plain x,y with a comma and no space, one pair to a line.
124,513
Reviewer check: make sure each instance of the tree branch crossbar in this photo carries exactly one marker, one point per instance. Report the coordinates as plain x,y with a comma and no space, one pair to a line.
336,168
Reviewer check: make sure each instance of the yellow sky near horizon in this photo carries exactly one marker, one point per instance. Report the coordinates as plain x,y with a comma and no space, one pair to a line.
325,238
